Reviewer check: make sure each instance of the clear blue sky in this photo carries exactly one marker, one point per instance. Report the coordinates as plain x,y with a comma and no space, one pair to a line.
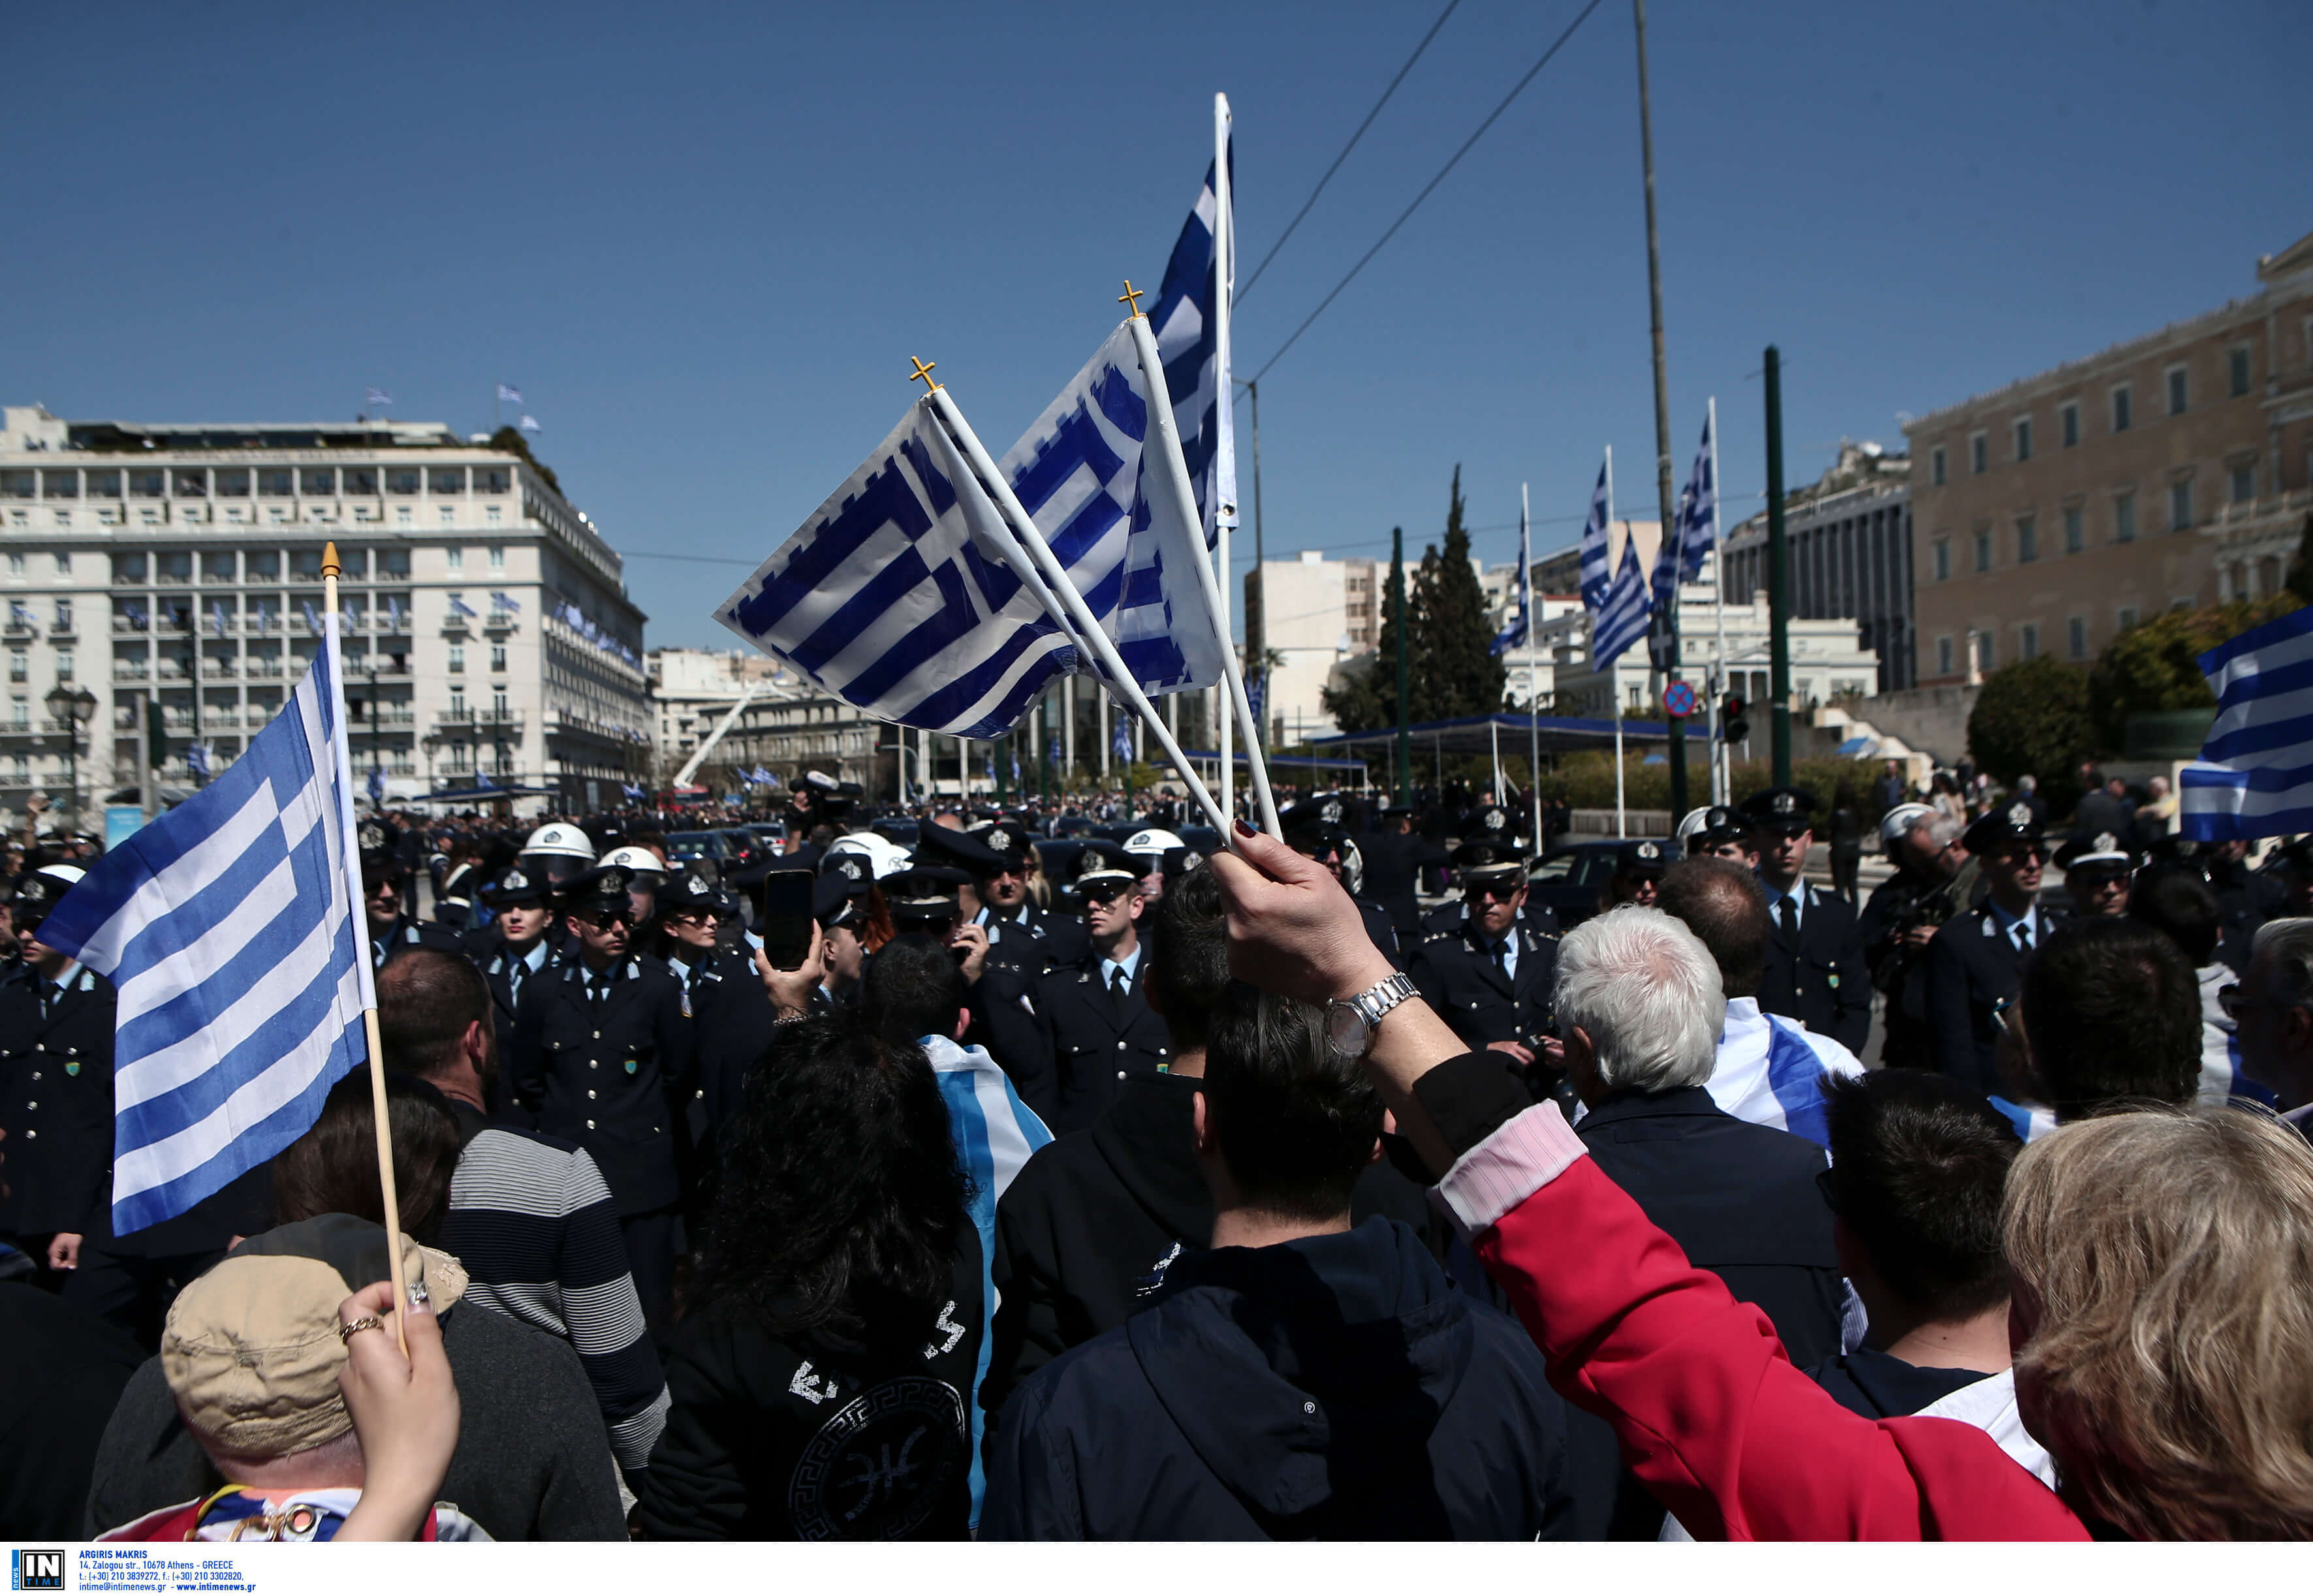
704,240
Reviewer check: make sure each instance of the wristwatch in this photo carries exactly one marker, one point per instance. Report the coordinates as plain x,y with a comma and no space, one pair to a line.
1349,1022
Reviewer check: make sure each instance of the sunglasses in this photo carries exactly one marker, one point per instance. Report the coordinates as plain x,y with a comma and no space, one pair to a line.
1499,894
1104,891
599,918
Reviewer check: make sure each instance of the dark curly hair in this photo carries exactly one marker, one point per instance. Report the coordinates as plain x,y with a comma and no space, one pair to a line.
841,1199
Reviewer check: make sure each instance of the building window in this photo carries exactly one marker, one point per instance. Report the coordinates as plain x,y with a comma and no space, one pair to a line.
19,712
456,557
449,516
2244,483
498,558
319,485
2122,411
1977,454
401,480
492,479
497,656
193,485
64,664
2027,540
1983,551
493,515
2023,439
1936,465
63,565
2068,418
1943,559
2076,636
15,565
2237,370
2178,390
232,485
2125,617
361,482
1984,652
2027,641
2180,506
447,480
60,485
2073,537
64,615
2123,518
457,659
20,665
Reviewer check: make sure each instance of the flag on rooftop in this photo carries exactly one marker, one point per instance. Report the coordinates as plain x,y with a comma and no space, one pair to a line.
1185,319
529,423
1520,626
1598,570
1621,619
2254,775
508,394
227,925
378,396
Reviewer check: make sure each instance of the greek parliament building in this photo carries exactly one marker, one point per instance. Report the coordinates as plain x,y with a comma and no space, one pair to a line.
176,570
2167,472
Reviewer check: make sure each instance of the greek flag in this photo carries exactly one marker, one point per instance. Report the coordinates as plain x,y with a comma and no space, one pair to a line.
1521,621
505,603
136,616
1770,1070
228,926
508,394
217,614
529,423
635,794
457,606
1120,742
1256,696
21,616
379,397
1596,567
1078,473
1622,618
1186,323
197,759
2254,775
376,785
1680,557
312,621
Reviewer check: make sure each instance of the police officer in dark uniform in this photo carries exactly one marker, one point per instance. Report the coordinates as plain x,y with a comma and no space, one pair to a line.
1899,921
56,1091
1715,831
1973,962
1816,973
2098,870
1491,977
1395,855
1094,1014
1497,827
516,947
1638,866
2245,899
602,1056
392,929
1312,829
1003,900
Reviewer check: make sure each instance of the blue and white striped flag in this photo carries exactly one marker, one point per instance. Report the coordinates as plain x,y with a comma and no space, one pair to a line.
376,785
2254,775
1186,323
1079,473
505,602
529,423
1621,619
228,926
1120,742
1680,557
1521,620
894,595
218,615
457,606
508,394
196,761
378,397
1597,569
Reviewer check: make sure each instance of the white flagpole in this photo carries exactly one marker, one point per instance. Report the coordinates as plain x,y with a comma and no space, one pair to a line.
1533,694
1223,278
1613,683
1040,569
349,846
1718,574
1174,471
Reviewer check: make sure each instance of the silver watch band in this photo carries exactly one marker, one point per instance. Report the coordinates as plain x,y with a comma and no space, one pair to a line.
1382,996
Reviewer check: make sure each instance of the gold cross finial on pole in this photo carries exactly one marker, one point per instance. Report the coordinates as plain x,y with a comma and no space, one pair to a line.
1130,296
923,374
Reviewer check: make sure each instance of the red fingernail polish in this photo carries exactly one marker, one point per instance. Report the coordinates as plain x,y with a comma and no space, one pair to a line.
1243,829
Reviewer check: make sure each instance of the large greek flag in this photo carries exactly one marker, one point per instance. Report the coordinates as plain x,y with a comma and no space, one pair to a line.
1520,625
2254,775
1623,615
226,925
1186,322
1598,568
1680,557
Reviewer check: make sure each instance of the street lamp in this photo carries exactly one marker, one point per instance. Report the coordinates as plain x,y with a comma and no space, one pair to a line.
70,709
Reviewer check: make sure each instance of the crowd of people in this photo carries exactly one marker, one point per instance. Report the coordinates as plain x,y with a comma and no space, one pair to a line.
1074,1176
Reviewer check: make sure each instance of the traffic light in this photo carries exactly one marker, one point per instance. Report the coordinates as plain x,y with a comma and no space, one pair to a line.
1732,726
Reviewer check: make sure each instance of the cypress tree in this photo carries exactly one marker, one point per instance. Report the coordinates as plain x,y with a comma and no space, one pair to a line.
1452,636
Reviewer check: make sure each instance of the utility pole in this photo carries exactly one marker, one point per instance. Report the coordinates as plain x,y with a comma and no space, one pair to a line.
1257,627
1404,722
1670,530
1779,596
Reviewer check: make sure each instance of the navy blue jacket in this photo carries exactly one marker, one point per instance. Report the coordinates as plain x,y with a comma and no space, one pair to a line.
1336,1386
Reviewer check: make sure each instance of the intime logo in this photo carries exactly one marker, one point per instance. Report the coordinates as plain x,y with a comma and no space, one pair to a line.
36,1571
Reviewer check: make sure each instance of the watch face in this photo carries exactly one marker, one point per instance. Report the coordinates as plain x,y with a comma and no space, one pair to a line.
1346,1032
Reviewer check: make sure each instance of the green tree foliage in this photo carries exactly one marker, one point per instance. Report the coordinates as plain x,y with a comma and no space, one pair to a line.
1586,780
510,440
1449,642
2157,665
2032,718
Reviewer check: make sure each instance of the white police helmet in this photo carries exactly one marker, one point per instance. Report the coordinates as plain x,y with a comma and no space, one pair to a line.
641,860
888,857
1151,840
561,839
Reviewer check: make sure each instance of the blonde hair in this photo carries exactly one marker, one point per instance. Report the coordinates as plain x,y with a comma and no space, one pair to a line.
2170,1256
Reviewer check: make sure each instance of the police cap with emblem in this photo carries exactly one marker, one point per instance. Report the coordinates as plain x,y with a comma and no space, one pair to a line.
923,895
1711,826
2009,823
1007,839
515,889
1784,811
378,840
39,893
1101,865
831,904
1642,860
1484,862
604,891
955,850
2100,852
2174,848
1315,823
1491,823
1180,861
691,895
853,868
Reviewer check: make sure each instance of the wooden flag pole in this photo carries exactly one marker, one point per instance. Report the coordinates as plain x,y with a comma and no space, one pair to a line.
350,846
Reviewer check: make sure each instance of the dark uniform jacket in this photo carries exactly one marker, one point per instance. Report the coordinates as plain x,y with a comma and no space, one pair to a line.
1819,979
1092,1042
1062,937
1741,1199
1004,1001
1332,1386
1453,915
56,1100
1393,865
497,960
1455,972
612,1075
1899,968
811,1437
409,933
1972,965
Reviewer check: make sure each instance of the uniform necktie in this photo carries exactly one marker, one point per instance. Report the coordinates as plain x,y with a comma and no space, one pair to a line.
1788,913
2023,936
1119,984
1501,958
514,980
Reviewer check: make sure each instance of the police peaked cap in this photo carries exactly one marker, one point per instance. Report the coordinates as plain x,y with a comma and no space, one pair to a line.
2013,822
515,889
1101,861
2097,852
1180,861
925,887
1644,857
1714,823
853,868
39,891
599,891
957,850
1007,839
831,904
1491,823
1480,860
1781,809
1314,820
693,895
